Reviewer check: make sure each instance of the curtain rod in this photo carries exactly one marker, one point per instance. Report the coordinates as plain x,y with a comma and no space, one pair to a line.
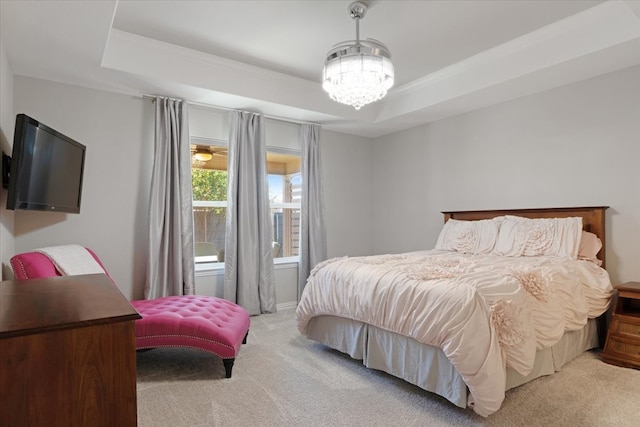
219,107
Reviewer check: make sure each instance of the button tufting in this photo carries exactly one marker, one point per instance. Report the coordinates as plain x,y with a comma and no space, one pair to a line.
209,323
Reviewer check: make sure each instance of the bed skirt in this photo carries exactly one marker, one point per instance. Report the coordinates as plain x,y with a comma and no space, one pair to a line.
426,366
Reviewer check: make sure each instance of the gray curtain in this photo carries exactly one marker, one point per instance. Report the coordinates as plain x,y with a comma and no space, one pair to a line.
170,267
313,241
248,269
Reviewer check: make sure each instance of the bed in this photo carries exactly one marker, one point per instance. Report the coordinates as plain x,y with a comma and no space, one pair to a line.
486,310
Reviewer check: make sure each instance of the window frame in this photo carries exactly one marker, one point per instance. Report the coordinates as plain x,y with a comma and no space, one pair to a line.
285,205
219,266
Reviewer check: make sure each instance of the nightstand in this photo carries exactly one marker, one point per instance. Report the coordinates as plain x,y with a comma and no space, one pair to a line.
623,337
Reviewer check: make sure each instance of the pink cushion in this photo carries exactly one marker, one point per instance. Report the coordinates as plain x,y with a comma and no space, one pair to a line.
32,265
207,323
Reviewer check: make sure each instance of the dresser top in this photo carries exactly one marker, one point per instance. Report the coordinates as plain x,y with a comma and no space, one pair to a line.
629,287
41,305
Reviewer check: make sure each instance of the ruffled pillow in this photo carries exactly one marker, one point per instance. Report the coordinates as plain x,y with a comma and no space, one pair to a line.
469,237
589,247
539,236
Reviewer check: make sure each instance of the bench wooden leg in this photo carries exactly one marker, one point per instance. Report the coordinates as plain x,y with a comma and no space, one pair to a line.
228,366
244,341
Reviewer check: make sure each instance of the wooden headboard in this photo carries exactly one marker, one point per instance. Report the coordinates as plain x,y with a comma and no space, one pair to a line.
592,218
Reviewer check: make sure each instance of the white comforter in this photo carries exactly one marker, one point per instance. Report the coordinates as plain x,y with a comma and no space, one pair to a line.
485,312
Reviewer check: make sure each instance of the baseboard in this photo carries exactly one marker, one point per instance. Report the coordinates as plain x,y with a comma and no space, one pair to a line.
287,305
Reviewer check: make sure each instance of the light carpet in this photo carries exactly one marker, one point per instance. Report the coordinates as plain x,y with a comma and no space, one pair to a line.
281,378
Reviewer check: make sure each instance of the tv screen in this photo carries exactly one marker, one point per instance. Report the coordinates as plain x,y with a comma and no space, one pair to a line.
46,169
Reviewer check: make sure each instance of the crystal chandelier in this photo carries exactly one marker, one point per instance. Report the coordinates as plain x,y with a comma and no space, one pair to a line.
358,72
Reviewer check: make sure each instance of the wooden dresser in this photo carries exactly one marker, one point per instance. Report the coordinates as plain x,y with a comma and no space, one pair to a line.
67,353
623,337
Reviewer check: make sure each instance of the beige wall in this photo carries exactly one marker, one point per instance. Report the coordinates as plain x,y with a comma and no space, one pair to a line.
117,131
576,145
347,163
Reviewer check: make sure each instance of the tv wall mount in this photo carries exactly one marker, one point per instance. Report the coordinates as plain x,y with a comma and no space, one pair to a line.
6,168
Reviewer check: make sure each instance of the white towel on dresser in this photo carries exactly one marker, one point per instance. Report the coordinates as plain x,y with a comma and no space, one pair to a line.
72,260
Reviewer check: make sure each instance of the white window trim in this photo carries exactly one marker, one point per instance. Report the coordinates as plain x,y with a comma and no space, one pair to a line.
283,205
209,203
209,266
219,266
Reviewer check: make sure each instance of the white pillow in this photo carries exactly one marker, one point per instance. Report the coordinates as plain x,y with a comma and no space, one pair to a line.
539,236
469,237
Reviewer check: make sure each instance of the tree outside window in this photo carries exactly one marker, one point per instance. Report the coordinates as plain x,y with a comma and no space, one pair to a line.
209,211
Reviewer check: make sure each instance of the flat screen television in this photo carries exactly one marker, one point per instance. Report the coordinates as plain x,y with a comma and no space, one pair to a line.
47,168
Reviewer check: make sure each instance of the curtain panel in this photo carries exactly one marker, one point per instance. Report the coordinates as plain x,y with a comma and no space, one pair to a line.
248,270
313,241
170,266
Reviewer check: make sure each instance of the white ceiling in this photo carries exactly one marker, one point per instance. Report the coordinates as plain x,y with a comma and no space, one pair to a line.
450,57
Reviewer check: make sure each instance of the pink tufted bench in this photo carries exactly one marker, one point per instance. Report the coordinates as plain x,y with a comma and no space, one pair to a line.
206,323
212,324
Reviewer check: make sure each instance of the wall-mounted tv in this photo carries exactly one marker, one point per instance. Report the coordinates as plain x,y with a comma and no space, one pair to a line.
47,168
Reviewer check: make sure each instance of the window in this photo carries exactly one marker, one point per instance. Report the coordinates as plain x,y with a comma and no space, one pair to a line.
285,189
209,182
